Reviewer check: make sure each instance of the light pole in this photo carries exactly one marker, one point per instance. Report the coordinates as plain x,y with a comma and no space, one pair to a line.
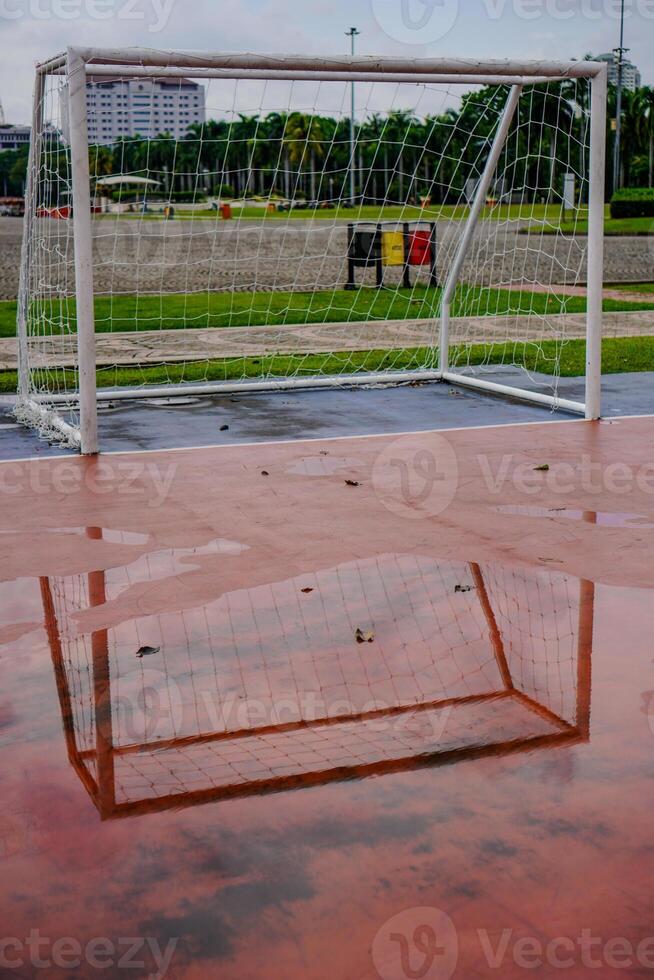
618,105
352,34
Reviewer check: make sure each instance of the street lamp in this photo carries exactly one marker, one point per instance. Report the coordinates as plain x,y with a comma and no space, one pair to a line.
620,52
352,34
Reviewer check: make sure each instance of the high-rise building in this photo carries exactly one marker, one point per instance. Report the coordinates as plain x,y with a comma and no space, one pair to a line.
631,77
13,137
140,107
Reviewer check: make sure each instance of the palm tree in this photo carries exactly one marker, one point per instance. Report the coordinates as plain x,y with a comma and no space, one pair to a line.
632,135
305,133
645,114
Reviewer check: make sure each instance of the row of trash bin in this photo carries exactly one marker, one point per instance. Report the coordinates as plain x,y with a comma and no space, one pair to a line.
387,244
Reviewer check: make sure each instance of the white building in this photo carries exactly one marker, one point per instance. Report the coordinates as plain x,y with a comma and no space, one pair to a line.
141,107
13,137
631,77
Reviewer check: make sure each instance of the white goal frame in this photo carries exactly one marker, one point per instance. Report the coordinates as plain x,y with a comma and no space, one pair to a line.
77,62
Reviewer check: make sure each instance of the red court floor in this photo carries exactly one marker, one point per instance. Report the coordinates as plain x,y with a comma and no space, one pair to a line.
361,708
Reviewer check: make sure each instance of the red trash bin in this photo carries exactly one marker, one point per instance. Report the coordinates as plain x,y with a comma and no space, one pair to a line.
420,248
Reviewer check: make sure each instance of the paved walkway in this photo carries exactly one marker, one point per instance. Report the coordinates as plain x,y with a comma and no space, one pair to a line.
193,256
157,346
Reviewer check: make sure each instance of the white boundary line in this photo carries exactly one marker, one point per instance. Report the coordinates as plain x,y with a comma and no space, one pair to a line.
309,441
610,420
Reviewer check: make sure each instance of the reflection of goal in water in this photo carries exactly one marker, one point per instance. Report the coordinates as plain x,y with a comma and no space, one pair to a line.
269,688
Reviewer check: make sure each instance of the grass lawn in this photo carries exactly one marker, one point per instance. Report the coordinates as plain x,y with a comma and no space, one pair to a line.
612,227
200,310
514,212
549,215
618,356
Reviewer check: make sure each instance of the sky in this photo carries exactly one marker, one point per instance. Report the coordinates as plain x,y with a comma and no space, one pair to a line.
32,30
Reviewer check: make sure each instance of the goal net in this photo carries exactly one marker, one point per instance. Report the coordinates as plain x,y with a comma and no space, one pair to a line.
198,224
381,663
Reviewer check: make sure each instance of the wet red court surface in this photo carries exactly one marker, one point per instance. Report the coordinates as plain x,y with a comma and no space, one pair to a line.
368,708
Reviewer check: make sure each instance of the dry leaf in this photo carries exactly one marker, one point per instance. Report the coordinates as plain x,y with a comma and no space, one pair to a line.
147,651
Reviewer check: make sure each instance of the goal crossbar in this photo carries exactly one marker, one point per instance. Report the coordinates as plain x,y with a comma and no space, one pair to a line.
467,68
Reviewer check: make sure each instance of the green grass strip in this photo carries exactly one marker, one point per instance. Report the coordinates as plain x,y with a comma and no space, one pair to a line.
171,311
619,355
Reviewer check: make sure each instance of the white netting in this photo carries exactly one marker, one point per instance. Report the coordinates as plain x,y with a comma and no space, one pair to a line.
271,683
185,294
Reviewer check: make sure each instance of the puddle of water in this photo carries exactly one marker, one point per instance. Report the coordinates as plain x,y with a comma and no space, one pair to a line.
468,698
377,661
601,518
323,465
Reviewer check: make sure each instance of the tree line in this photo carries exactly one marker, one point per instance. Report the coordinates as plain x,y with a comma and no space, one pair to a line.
398,157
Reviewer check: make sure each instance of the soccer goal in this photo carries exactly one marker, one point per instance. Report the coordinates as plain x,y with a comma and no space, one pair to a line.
193,223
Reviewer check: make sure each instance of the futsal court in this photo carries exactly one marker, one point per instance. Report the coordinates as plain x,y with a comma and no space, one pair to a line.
328,517
294,689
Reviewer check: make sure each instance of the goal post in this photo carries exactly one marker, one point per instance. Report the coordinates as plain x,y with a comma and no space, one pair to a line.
171,249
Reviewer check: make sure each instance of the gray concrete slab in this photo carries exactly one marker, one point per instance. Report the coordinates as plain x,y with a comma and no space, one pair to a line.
143,424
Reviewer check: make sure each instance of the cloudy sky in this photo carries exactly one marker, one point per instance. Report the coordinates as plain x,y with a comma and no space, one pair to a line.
31,30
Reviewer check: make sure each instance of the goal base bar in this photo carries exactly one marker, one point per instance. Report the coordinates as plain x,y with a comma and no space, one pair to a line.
523,395
290,384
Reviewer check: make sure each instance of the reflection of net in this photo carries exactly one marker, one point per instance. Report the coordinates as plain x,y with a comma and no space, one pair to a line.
539,626
269,685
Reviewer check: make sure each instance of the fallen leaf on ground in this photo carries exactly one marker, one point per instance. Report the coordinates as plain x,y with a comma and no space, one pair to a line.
147,651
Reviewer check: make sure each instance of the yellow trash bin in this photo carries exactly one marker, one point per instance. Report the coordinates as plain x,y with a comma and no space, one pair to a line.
392,248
